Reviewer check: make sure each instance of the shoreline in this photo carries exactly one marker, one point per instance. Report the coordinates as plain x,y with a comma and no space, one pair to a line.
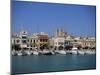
48,52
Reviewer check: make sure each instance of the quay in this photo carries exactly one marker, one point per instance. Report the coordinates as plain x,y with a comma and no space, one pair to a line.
47,52
42,44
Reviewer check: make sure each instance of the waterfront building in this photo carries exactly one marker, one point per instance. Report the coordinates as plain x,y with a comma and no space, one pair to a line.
88,42
76,42
60,40
33,41
20,40
15,39
38,40
69,40
60,33
51,43
23,39
43,40
15,42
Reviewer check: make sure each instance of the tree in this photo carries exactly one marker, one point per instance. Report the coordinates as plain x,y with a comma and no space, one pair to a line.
44,45
34,44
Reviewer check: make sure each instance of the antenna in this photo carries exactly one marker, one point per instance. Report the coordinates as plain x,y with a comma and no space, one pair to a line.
37,28
21,27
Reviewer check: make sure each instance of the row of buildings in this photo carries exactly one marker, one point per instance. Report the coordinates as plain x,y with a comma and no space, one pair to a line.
60,40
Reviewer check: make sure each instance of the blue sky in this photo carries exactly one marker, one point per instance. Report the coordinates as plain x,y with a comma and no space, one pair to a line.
78,20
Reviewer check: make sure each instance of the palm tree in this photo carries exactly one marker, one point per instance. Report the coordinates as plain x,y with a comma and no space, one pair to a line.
34,44
44,45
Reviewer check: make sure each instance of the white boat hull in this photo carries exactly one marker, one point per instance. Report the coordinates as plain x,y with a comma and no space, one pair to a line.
74,52
81,52
19,54
90,52
36,53
61,52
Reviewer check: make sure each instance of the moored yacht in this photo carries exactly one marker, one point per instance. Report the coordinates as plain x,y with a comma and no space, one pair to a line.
90,52
52,52
14,53
81,52
35,52
74,50
60,51
46,52
28,52
68,52
19,53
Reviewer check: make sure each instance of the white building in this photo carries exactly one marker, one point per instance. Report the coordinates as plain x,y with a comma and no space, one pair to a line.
59,41
15,39
23,39
61,38
32,41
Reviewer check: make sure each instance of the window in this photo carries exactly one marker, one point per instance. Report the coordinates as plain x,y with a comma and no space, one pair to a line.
14,41
24,41
24,37
34,40
60,43
28,40
31,40
41,40
17,41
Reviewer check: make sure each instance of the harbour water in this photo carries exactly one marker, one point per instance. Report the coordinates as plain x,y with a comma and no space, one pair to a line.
50,63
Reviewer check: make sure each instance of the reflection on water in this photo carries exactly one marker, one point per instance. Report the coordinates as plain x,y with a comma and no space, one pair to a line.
42,63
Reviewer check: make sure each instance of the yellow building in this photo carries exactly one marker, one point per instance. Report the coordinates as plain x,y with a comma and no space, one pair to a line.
88,42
